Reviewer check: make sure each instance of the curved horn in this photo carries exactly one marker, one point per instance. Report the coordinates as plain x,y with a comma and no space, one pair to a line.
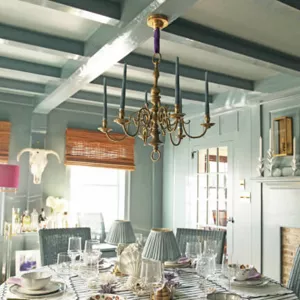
54,153
23,151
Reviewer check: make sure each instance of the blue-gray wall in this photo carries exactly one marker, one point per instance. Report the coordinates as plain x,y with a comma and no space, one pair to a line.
144,194
255,220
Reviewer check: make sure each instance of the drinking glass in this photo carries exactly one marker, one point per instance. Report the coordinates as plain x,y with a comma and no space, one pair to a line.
193,250
89,272
231,271
74,248
204,270
63,263
211,249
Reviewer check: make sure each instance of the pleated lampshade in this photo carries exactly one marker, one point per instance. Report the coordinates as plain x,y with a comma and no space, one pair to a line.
161,245
121,232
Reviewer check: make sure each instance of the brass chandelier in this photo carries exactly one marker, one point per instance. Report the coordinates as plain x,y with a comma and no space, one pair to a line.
151,123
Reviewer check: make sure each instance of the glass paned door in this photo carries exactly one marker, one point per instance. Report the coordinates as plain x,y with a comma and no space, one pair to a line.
212,186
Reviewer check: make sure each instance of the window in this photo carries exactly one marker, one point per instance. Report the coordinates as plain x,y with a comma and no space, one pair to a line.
95,190
212,177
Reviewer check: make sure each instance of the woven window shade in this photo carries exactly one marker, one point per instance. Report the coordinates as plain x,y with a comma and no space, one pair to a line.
93,148
4,141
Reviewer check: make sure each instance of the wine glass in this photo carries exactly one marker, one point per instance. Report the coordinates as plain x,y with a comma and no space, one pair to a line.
193,250
74,248
204,270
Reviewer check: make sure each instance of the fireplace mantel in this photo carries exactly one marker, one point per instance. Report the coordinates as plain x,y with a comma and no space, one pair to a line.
288,182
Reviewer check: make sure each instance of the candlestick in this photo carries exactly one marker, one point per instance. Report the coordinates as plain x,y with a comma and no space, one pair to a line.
294,146
206,95
260,147
177,83
104,99
123,95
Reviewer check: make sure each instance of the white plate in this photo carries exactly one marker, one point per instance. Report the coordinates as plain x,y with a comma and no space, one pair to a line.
250,283
105,297
106,265
51,290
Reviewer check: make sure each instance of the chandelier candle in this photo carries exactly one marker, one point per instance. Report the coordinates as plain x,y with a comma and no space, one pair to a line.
206,95
153,121
104,99
122,104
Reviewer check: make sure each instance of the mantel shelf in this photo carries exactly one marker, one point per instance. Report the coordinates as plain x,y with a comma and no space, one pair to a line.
288,182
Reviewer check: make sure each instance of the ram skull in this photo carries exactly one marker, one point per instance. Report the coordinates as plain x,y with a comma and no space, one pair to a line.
37,161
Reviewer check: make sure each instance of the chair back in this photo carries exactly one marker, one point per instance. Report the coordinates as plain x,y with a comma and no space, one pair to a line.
96,222
54,241
294,282
184,235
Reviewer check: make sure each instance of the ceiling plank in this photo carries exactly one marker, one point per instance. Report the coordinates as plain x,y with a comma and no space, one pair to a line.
142,87
120,45
168,67
293,3
18,85
34,68
188,32
25,36
29,67
102,11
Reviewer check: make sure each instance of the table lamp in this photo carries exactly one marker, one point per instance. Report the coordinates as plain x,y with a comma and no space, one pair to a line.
162,246
9,178
121,234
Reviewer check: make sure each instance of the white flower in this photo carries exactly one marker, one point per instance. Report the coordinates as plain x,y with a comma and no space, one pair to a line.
58,205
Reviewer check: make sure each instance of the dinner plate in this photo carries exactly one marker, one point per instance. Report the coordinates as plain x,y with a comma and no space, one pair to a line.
105,297
105,265
250,283
177,264
53,289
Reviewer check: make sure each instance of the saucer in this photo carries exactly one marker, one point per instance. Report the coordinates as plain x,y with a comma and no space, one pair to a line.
51,290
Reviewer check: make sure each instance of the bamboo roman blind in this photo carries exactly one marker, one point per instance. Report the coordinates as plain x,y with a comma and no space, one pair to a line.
93,148
4,141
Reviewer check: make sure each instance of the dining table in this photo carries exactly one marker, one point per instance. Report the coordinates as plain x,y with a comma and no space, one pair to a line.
189,288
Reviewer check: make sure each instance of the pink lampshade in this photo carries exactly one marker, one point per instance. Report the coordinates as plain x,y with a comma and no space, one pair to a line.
9,177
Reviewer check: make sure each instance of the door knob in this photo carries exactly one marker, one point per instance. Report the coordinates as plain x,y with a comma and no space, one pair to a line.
230,220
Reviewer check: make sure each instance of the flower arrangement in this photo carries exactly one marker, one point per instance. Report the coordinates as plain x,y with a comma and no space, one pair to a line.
57,205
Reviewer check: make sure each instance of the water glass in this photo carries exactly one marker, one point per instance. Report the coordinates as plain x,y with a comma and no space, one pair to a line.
63,263
151,272
193,250
204,270
89,272
231,271
211,249
74,248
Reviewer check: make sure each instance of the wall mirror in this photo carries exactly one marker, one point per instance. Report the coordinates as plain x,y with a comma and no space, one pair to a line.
283,136
212,188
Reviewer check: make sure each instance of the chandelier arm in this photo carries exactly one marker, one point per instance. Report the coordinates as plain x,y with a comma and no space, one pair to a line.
113,139
194,137
172,141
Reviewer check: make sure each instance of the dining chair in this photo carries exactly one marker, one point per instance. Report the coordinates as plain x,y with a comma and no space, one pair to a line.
54,241
184,235
96,222
294,282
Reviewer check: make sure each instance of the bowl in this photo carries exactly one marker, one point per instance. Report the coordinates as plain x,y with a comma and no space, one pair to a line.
35,280
246,272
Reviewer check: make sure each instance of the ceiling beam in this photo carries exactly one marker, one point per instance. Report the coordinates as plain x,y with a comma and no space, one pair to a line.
102,11
168,67
142,87
293,3
192,33
39,39
121,44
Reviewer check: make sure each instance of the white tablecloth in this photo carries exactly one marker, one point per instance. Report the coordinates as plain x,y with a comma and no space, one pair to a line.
188,289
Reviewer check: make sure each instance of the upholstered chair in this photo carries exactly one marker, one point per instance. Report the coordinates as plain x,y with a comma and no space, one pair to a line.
294,280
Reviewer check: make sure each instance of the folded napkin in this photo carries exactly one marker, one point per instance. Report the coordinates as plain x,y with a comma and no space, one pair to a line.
14,280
